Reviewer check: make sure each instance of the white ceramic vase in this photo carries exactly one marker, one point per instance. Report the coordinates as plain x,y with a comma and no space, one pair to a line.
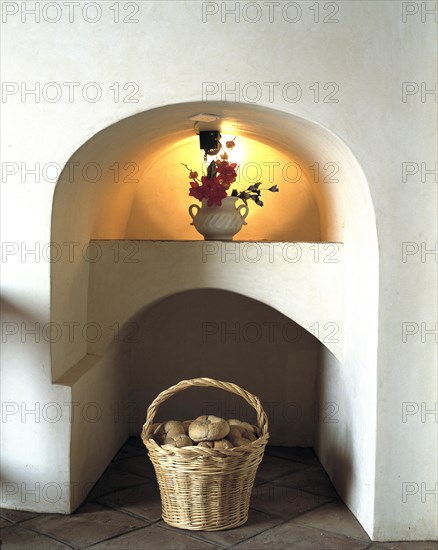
219,223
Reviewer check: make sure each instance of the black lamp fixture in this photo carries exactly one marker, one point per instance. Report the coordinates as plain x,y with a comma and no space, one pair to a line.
209,142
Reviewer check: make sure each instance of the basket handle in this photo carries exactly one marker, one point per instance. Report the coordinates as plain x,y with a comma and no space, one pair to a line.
254,401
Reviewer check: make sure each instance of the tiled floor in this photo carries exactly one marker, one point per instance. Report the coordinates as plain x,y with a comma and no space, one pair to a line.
293,506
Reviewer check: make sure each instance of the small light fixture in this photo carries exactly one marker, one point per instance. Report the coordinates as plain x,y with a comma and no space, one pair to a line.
204,117
209,142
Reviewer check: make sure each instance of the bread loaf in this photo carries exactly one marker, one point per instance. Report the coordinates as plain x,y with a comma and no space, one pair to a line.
208,428
236,438
208,431
206,444
174,426
186,425
179,440
246,430
223,444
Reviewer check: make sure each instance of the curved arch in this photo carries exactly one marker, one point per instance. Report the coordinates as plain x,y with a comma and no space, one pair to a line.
226,336
255,270
95,169
345,208
315,291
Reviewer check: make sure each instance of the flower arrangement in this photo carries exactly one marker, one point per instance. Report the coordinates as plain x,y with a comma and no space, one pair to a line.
221,174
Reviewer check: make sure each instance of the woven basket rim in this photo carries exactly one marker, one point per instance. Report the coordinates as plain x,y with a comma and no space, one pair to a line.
195,451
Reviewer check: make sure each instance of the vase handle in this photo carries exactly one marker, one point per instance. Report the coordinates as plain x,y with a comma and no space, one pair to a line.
191,207
246,212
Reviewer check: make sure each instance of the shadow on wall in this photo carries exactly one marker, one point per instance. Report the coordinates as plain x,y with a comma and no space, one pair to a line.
23,334
339,466
226,336
22,404
334,437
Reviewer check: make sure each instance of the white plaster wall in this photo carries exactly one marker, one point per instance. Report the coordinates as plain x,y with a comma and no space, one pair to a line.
369,53
303,289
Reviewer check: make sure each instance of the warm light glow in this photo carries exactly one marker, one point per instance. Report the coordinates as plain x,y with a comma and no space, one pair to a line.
238,153
158,209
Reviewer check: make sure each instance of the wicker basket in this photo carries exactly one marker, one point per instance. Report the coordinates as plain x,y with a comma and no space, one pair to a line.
201,488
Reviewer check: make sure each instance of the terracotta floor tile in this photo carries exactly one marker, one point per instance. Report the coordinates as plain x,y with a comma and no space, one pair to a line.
297,537
138,465
4,523
143,501
334,517
312,480
128,450
154,538
18,538
114,479
305,455
257,523
285,502
272,467
89,525
16,515
293,506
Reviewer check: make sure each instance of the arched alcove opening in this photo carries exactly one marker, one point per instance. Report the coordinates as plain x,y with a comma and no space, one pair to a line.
98,197
105,277
223,335
208,332
160,201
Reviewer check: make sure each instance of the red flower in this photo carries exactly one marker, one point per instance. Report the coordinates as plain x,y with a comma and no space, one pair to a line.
213,186
211,190
196,190
214,190
226,172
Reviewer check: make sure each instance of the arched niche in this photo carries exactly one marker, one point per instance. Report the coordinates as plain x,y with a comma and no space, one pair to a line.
222,335
108,208
87,290
161,200
199,332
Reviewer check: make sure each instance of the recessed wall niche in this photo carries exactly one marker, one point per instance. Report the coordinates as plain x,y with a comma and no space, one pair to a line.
225,336
332,283
159,208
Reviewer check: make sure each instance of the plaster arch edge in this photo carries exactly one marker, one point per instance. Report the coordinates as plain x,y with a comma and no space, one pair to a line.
296,311
224,110
308,139
355,195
